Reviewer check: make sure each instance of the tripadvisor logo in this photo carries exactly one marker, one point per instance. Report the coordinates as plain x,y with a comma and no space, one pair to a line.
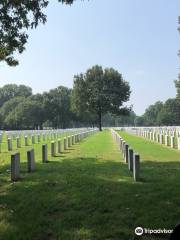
139,231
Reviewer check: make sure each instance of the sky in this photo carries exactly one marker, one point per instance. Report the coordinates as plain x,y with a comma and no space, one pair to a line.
139,38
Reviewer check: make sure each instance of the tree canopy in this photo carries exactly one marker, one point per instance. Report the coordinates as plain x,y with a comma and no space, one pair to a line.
16,17
10,91
100,91
159,114
21,109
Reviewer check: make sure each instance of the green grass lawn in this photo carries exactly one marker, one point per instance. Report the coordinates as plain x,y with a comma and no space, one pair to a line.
87,193
159,190
5,154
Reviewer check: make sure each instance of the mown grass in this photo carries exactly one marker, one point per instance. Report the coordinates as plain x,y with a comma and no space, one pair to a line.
160,182
5,154
87,193
68,198
149,150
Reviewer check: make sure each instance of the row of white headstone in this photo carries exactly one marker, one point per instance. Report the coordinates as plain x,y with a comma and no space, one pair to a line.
33,137
67,141
29,133
168,137
130,157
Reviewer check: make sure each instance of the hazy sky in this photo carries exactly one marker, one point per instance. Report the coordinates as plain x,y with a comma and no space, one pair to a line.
139,38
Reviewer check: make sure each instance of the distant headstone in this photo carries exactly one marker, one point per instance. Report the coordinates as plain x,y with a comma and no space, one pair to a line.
26,140
39,138
65,143
53,149
15,167
33,139
126,152
136,167
172,142
30,160
69,142
9,144
123,148
130,159
44,137
161,138
59,146
166,140
44,153
18,142
73,140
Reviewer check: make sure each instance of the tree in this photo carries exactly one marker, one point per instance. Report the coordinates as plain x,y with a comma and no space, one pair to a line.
16,17
110,120
26,115
170,113
7,108
139,121
57,106
177,85
177,81
10,91
100,91
151,113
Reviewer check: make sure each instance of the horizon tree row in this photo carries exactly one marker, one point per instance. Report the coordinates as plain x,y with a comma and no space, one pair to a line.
162,113
97,98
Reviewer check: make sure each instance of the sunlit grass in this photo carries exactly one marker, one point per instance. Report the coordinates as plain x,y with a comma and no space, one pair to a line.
88,193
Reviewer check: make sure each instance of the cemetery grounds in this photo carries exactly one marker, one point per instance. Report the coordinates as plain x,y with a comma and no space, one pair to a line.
87,192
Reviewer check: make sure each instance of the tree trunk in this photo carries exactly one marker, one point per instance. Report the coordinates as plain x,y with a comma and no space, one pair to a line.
100,120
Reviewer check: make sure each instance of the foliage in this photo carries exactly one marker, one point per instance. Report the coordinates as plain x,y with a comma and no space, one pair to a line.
21,109
170,113
27,114
177,85
10,91
111,120
57,106
100,91
139,121
167,113
7,108
151,114
16,17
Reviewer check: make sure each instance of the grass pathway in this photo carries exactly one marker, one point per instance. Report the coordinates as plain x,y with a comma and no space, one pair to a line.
75,196
160,186
151,151
88,193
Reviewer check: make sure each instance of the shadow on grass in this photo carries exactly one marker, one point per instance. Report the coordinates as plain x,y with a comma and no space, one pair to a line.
84,199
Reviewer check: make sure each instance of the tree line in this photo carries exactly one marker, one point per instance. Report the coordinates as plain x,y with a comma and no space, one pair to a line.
96,99
162,113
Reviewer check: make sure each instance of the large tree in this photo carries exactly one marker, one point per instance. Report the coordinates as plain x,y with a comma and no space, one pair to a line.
16,17
100,91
